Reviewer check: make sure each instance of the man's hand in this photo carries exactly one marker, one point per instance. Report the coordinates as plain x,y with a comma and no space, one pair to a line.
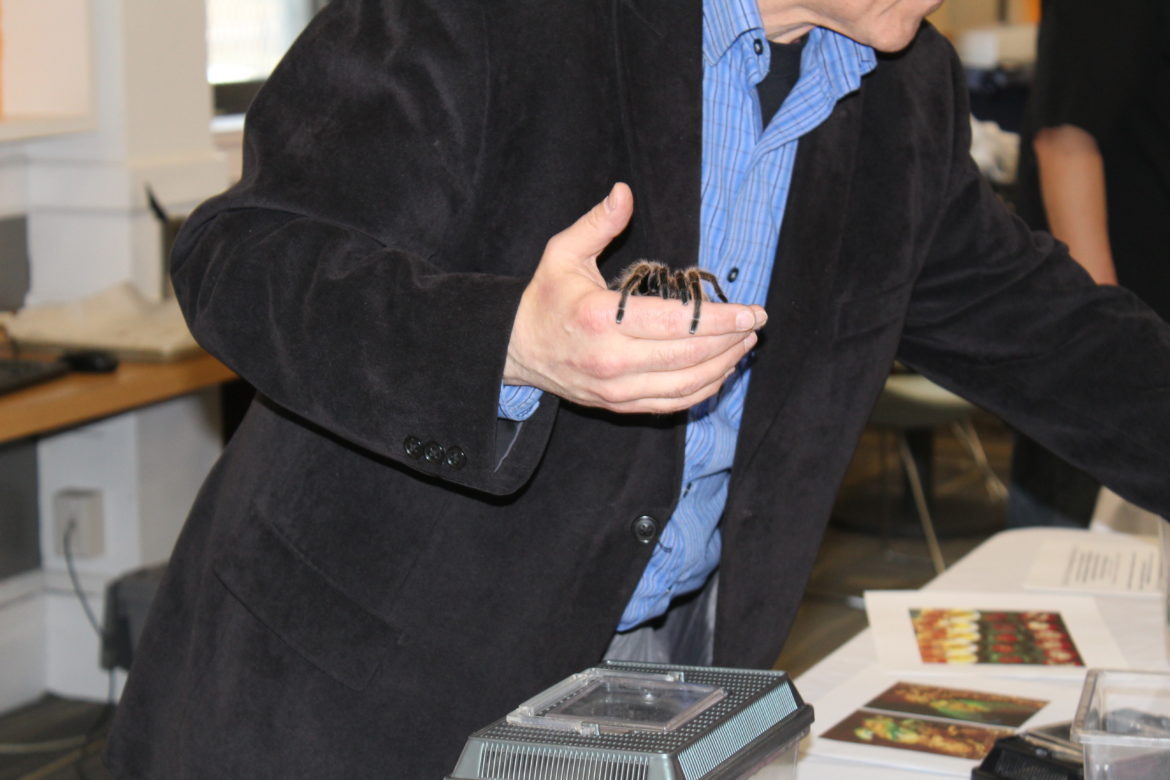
565,341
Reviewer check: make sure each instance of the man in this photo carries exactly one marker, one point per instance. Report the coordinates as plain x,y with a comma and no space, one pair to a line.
464,480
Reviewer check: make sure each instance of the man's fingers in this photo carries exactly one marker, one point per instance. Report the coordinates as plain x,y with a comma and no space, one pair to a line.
669,403
655,382
648,317
683,354
592,233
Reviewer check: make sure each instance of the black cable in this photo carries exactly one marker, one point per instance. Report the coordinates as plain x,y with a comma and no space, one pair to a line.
80,742
108,710
70,528
104,716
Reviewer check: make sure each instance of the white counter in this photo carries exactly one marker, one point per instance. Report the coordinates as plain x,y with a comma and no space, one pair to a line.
998,565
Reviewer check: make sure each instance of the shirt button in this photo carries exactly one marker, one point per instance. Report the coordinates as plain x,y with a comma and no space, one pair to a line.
645,529
413,447
456,458
433,452
758,45
733,274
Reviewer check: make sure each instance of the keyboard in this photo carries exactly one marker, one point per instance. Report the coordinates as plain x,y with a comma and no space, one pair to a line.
16,373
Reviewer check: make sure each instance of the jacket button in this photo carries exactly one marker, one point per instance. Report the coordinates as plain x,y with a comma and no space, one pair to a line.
456,458
433,452
413,447
645,529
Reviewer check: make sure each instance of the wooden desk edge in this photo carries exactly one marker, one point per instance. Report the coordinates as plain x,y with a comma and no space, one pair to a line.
80,398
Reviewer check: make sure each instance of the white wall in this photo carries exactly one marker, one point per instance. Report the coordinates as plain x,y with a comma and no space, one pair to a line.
88,219
22,639
148,467
89,228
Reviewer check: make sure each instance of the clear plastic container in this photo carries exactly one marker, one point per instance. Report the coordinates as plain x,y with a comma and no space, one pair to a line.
1164,544
625,720
1123,724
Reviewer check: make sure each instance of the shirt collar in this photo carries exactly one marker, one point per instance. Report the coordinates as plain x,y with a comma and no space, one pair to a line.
724,21
844,59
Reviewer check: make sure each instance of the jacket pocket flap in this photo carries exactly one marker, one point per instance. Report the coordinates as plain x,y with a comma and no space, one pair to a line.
300,605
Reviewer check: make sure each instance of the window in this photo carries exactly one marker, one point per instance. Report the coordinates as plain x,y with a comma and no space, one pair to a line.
245,40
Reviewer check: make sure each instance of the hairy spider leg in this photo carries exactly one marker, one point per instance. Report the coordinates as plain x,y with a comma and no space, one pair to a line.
693,280
660,275
635,276
678,286
696,285
709,277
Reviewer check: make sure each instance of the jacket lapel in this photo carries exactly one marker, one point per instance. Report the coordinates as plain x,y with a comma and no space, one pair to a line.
799,299
659,45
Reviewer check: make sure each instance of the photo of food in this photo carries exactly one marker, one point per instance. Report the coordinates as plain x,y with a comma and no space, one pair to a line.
959,740
972,636
957,704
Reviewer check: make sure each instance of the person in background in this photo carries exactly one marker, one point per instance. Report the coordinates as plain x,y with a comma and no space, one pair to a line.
1095,171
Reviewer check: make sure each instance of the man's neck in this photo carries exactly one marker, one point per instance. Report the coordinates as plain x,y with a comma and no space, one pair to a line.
782,22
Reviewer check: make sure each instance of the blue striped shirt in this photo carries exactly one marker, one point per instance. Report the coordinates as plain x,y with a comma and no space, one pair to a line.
746,174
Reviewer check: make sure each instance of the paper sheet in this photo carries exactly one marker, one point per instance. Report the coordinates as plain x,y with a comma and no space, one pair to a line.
1105,564
848,716
994,634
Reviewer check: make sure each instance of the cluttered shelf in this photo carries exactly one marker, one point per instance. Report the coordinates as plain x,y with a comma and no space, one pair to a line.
81,397
156,359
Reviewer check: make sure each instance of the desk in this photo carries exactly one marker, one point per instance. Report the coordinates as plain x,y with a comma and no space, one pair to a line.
77,398
998,565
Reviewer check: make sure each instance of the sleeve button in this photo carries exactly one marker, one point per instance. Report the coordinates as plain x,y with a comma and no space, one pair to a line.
456,458
413,447
433,452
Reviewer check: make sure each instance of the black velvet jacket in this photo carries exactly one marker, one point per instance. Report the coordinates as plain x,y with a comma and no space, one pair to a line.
340,606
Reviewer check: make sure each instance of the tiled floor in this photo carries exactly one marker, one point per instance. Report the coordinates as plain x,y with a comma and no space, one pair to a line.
873,542
77,727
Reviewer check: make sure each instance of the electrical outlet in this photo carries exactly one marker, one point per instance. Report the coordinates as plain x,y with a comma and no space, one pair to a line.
83,510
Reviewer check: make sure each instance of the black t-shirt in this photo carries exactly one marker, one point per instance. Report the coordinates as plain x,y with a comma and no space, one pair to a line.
783,72
1105,67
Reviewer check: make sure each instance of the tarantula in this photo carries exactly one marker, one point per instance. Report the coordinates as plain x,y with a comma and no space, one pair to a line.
649,277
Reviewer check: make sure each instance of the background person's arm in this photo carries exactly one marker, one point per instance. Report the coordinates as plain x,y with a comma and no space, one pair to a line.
1072,186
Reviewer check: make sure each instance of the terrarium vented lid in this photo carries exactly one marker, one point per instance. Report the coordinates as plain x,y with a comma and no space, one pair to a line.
610,701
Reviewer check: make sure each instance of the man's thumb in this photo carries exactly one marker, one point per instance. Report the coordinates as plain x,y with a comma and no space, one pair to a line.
591,234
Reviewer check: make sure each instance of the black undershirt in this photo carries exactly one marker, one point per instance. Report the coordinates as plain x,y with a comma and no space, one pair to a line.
783,71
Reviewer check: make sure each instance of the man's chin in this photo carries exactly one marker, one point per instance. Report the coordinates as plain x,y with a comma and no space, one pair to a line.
898,37
895,40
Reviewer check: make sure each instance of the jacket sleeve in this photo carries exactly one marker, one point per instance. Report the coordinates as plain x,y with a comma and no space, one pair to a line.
332,277
1006,318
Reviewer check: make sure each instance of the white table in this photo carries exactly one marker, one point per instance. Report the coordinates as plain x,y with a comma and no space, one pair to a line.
998,565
